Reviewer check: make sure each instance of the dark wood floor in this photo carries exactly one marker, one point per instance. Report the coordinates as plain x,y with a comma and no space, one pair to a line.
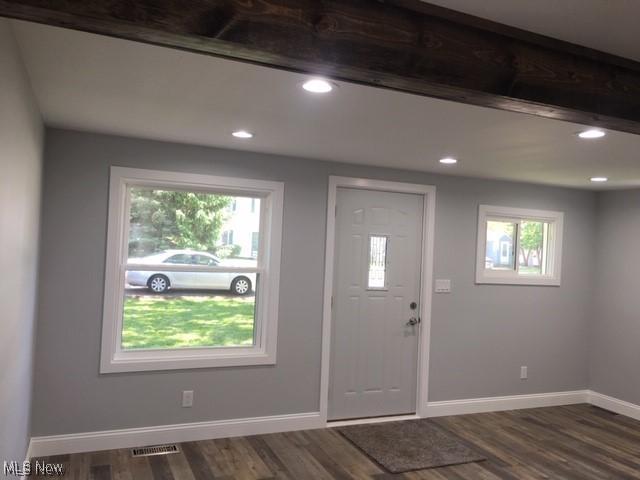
575,442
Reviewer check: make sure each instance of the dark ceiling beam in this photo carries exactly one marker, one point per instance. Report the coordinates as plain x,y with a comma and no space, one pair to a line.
404,45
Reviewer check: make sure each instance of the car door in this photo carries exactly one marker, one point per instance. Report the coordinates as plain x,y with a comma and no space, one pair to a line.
209,280
180,279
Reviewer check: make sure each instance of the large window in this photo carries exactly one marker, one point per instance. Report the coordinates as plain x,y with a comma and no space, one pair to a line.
519,246
183,287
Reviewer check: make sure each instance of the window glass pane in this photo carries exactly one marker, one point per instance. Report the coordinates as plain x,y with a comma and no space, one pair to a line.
206,260
533,245
377,262
170,226
501,238
188,309
179,259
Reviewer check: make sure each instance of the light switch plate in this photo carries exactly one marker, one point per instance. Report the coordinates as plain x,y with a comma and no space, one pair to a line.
443,286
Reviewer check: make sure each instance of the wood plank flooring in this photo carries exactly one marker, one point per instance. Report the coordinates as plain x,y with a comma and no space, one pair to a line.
578,442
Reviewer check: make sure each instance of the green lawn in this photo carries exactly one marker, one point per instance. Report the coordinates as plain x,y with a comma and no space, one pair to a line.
530,270
187,321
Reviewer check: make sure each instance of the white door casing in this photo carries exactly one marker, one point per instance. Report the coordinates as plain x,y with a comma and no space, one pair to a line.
374,354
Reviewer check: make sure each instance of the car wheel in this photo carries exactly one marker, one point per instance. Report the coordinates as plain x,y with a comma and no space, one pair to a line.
158,283
241,286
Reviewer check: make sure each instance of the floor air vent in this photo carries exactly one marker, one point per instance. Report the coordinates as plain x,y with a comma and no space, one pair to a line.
154,450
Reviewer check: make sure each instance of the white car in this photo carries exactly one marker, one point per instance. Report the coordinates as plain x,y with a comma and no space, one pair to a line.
159,281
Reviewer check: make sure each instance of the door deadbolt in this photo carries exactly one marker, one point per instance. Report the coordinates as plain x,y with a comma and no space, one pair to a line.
413,305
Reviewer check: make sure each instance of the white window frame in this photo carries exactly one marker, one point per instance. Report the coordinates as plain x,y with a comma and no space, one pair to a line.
553,254
263,352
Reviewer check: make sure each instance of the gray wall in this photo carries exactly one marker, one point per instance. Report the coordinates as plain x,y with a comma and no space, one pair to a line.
20,165
481,335
615,332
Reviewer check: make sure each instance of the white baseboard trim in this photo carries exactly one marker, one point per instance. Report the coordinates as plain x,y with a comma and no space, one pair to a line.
135,437
513,402
614,405
29,455
186,432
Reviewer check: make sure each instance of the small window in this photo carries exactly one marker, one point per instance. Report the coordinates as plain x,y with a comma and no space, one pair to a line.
227,237
519,246
176,294
377,263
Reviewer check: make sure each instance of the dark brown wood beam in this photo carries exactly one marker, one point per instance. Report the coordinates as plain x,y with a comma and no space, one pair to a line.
404,45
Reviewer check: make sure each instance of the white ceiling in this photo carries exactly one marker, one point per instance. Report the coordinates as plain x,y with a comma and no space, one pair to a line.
607,25
89,82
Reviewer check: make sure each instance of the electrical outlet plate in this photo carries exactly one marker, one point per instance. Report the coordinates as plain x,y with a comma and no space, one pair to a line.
523,373
187,398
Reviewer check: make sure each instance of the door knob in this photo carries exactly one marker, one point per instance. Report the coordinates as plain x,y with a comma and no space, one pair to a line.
413,321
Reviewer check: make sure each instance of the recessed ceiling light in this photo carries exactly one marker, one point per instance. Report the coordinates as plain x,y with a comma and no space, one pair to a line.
599,179
242,134
448,161
592,133
317,85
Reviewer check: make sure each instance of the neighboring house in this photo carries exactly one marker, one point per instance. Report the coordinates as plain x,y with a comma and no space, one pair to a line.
499,249
242,226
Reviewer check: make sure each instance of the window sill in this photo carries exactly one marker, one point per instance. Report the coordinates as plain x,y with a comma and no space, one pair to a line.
135,362
520,280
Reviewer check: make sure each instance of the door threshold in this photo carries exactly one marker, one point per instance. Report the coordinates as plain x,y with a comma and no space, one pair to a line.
366,420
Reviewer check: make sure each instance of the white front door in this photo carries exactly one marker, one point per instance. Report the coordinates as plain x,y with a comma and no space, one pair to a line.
376,304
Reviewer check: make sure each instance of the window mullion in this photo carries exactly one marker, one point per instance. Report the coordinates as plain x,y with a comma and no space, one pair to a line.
516,256
547,251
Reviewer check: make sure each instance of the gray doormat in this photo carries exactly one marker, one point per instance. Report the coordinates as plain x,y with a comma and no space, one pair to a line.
409,445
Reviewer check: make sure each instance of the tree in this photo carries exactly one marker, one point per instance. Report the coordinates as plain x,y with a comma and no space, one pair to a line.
531,240
163,219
